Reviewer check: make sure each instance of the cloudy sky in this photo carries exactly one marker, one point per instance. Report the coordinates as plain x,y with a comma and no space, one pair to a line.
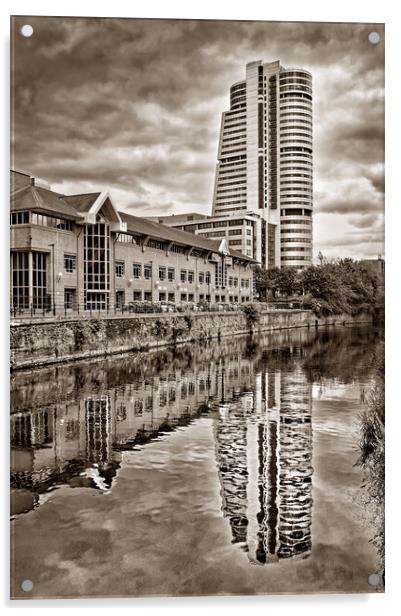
134,107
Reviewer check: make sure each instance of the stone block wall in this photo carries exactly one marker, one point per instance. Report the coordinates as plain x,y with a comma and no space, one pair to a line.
41,343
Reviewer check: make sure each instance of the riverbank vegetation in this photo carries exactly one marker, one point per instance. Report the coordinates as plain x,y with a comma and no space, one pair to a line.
336,287
372,456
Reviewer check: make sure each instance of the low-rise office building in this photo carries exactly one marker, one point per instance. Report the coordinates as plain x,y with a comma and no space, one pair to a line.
246,232
78,252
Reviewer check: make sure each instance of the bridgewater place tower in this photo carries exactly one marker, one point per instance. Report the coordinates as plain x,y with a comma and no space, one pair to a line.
265,161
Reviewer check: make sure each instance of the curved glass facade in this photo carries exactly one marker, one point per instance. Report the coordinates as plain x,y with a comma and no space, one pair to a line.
265,160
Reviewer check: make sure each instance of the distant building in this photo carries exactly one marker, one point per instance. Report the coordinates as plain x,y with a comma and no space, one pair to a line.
265,161
242,231
79,251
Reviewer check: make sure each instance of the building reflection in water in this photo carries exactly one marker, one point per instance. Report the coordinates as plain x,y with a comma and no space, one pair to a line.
264,457
78,442
262,428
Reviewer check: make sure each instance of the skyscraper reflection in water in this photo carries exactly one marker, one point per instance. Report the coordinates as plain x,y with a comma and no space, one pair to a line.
264,457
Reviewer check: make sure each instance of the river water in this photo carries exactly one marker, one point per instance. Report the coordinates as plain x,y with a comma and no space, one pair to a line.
221,469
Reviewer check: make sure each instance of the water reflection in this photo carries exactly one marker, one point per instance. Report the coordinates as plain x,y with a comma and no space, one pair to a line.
71,425
264,455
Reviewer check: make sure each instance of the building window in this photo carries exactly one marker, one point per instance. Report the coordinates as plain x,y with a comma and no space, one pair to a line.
137,296
69,299
147,272
50,221
136,270
171,297
156,244
201,277
70,263
235,281
19,218
207,277
120,298
126,238
171,274
183,297
120,269
190,297
147,296
223,299
39,276
181,250
183,275
96,266
201,297
162,296
230,281
219,275
217,298
20,279
162,273
191,276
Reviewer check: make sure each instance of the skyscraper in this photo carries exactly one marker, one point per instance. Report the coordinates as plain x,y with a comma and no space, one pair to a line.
265,160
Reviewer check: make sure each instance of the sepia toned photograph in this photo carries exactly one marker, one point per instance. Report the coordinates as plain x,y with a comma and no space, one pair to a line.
197,281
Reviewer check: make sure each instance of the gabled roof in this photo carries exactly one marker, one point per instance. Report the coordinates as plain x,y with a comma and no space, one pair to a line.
93,204
82,203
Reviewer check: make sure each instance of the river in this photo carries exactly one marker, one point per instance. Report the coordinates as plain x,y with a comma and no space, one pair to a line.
209,469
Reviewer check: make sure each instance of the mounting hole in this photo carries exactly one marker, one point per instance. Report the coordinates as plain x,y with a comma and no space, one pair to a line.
26,30
27,585
374,38
374,579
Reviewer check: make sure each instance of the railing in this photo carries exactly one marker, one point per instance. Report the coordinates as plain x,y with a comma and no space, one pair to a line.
133,308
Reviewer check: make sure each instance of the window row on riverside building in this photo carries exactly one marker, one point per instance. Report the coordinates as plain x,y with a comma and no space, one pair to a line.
78,252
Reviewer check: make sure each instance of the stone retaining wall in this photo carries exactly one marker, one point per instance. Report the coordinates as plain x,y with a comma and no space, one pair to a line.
37,344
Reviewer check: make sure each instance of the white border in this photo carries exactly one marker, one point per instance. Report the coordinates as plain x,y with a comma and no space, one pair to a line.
290,10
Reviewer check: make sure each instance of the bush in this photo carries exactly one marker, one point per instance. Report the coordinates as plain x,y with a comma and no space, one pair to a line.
252,314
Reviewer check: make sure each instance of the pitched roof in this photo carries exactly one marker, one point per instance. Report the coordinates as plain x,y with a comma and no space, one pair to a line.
41,200
82,203
144,226
26,196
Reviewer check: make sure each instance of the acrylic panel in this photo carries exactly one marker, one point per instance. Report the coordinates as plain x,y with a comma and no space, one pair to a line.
196,307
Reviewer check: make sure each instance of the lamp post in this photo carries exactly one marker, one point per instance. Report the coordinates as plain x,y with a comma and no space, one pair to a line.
54,281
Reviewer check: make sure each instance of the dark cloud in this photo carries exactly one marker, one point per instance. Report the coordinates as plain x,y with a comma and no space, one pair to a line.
135,106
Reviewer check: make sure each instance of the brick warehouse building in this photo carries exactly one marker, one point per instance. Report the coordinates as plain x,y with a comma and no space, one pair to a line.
78,252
